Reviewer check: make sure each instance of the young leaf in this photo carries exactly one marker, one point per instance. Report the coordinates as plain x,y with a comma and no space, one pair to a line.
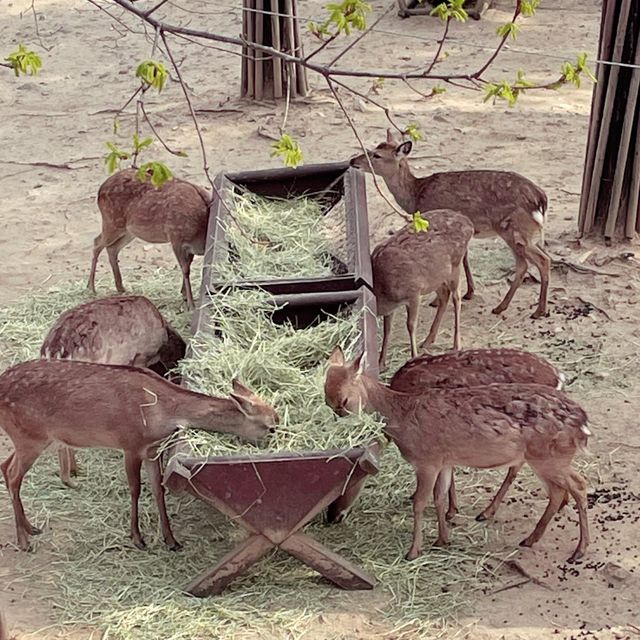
413,132
438,90
289,150
24,61
154,73
139,145
528,8
452,9
157,172
509,29
418,223
114,157
347,15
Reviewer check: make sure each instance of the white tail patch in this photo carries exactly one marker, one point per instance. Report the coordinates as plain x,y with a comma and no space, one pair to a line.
561,380
585,430
538,216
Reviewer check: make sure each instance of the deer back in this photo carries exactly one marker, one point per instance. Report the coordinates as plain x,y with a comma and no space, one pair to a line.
116,330
177,211
475,367
410,263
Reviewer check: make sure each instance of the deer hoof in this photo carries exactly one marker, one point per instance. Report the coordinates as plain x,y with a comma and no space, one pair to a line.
34,531
481,517
413,554
174,546
526,543
539,313
575,556
450,515
468,295
140,544
498,310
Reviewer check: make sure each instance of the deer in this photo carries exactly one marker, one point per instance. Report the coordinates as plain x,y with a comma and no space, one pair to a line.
408,8
477,367
498,203
177,212
82,404
483,427
410,264
116,330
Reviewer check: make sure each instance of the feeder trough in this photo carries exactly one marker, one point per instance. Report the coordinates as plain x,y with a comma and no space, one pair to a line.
331,185
274,495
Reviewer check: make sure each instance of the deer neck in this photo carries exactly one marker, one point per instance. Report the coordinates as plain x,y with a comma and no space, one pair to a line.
379,397
205,412
404,187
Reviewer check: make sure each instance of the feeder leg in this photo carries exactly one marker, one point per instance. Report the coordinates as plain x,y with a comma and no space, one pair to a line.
237,561
332,566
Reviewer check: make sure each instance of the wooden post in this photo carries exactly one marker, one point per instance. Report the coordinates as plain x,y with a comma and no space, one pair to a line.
275,24
611,181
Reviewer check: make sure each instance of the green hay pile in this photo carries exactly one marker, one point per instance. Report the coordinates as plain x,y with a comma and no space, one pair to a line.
85,563
283,366
275,238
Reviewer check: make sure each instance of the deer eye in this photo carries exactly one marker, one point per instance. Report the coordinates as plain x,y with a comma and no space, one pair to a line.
377,155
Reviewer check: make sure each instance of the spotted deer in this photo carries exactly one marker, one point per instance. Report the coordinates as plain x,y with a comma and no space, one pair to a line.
82,404
177,212
476,367
116,330
482,427
409,265
498,203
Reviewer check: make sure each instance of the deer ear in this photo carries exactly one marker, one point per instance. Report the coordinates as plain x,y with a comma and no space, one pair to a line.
240,389
337,357
356,365
390,138
404,149
244,404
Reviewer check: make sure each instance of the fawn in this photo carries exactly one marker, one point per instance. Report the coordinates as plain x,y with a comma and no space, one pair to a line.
408,265
482,427
81,404
117,330
177,212
471,368
498,203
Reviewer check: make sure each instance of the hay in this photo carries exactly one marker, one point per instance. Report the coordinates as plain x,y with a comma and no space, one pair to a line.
272,238
283,366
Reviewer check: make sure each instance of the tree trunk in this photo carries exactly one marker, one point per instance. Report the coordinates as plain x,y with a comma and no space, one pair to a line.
611,180
272,23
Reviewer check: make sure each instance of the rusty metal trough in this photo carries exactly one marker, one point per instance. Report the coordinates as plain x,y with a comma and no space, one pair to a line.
274,495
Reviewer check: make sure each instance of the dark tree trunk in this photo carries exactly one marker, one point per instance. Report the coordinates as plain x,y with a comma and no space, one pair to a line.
611,180
272,23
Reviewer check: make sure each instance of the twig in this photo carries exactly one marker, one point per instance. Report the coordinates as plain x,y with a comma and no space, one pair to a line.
440,45
157,135
596,307
35,21
150,11
364,150
516,566
515,585
579,268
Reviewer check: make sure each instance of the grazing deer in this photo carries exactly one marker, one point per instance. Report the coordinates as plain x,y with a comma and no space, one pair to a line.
472,368
498,203
117,330
81,404
408,8
408,265
483,427
177,212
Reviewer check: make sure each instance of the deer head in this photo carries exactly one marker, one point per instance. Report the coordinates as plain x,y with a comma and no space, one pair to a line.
385,158
343,389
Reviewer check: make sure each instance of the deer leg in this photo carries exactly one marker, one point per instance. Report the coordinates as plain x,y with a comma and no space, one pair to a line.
14,469
455,295
98,246
443,484
412,320
479,9
185,258
555,499
541,260
469,277
113,250
577,487
155,473
426,480
490,511
386,333
66,460
443,299
521,271
453,501
133,463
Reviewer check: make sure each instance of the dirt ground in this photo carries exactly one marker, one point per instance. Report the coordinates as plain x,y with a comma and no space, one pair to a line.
52,132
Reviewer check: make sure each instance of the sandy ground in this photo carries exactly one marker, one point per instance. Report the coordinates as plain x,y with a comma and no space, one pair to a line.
52,132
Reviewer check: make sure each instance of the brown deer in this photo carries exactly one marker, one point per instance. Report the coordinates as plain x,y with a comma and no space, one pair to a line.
482,427
409,265
477,367
81,404
498,203
177,212
117,330
408,8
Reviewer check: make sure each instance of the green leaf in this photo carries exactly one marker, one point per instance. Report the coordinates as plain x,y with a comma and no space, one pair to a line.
289,150
153,73
413,132
452,9
502,91
114,157
24,61
509,29
528,7
438,90
347,15
521,82
139,145
157,172
418,223
116,126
